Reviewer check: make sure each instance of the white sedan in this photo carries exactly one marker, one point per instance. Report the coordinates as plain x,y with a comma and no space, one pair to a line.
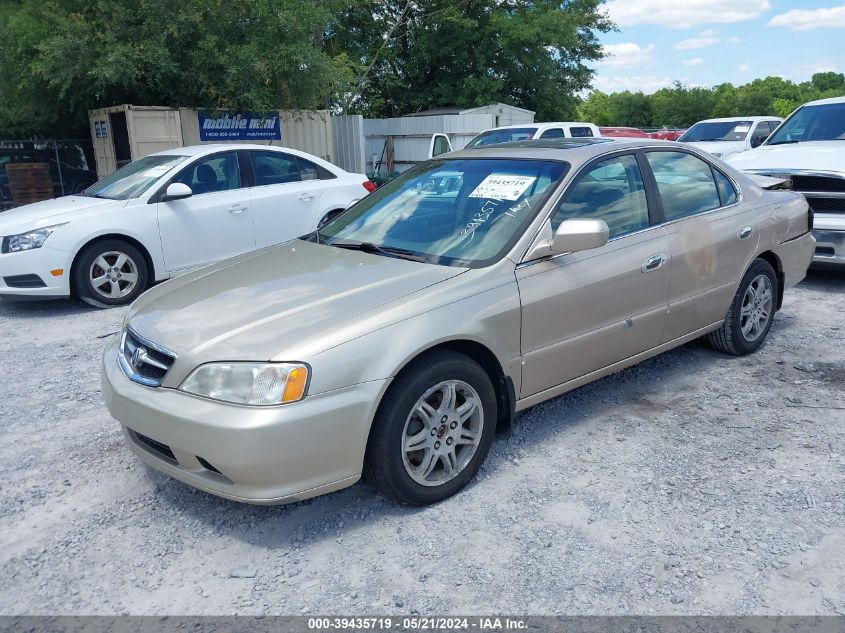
165,214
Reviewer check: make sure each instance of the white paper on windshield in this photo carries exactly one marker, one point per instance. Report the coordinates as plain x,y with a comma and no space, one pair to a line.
739,129
502,187
155,172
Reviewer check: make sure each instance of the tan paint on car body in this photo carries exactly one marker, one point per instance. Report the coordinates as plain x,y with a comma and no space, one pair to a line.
553,323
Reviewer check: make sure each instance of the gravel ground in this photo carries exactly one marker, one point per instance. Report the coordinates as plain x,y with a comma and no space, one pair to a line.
693,483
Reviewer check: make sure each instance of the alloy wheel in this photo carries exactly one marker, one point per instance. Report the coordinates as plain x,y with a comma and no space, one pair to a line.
113,275
442,433
756,308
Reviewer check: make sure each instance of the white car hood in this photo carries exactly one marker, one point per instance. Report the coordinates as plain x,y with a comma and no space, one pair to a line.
720,148
822,156
49,212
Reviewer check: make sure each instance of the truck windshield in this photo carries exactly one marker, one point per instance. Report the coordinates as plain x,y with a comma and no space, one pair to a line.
717,131
507,135
464,212
812,123
133,179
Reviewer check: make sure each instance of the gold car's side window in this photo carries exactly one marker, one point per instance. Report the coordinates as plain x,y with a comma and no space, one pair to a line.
612,191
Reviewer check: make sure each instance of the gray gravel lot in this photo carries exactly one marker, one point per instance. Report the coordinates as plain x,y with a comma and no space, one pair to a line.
693,483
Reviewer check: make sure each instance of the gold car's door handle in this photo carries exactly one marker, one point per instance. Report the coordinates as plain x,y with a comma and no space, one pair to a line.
744,233
655,262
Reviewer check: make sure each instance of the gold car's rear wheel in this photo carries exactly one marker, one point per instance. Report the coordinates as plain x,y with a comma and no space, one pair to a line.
433,429
751,313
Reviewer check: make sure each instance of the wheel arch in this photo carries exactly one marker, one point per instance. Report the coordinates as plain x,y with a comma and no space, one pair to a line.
775,263
484,356
148,260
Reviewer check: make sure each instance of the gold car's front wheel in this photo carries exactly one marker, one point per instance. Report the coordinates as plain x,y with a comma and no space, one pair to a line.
433,429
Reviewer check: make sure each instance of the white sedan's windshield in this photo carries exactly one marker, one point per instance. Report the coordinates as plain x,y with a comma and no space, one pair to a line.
461,212
812,123
135,178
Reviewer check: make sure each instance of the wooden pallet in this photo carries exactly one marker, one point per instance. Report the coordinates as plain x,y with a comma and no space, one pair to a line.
29,182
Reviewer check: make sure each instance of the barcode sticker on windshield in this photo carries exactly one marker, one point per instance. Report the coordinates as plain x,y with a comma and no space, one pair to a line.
502,187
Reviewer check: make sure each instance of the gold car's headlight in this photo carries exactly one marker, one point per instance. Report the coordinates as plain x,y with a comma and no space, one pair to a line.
257,384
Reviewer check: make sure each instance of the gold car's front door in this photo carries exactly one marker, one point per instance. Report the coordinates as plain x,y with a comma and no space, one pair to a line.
584,311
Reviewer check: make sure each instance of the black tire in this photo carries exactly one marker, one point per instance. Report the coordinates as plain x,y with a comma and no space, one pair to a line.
384,462
331,215
730,338
83,287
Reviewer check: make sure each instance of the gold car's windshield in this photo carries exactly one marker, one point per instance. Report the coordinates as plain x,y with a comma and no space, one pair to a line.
452,212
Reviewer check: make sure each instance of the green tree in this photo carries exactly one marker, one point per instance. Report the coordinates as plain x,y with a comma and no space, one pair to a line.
64,57
417,55
631,109
681,106
596,109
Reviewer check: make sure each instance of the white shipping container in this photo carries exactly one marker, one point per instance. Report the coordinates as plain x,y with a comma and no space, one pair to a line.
124,133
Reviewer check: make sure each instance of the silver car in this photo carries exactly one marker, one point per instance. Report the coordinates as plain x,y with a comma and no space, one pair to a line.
402,336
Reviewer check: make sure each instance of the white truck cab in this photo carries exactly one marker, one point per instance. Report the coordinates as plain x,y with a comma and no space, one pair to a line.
809,149
731,135
533,131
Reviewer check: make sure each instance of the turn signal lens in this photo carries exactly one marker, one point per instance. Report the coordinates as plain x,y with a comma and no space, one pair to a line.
370,186
295,386
58,272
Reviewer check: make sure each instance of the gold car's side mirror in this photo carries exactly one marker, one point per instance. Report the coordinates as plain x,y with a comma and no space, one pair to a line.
580,235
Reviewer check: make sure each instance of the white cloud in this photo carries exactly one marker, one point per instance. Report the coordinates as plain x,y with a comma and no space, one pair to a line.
733,40
803,20
743,67
803,72
626,55
684,14
704,39
642,83
697,61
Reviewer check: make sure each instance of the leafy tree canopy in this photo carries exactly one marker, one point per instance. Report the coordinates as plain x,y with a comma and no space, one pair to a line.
681,106
62,58
417,55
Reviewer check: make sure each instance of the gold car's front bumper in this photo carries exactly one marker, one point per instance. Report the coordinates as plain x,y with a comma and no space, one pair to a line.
264,455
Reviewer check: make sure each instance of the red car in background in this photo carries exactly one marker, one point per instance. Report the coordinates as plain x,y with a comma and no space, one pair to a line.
623,132
666,134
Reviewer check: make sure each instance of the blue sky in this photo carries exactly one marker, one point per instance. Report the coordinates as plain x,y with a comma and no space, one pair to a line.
707,42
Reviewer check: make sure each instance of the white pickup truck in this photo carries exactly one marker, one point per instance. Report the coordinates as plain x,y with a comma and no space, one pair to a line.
809,149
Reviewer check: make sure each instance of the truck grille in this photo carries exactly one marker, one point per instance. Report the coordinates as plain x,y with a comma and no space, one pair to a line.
143,361
824,193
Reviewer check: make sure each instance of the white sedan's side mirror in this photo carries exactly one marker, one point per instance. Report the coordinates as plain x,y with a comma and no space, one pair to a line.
177,191
580,235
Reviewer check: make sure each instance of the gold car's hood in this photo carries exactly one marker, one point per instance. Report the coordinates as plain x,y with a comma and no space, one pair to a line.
258,305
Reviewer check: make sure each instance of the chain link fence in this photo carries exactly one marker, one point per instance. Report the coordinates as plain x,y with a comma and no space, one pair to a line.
31,171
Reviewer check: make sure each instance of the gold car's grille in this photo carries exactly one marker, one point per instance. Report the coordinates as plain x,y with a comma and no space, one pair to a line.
143,361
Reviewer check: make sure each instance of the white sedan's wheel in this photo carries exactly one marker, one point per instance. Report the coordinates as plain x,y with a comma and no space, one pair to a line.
109,273
113,275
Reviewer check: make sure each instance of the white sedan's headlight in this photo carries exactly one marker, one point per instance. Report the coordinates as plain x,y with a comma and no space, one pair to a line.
249,383
29,240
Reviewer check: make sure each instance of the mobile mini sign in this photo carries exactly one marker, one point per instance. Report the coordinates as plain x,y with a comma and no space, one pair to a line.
240,126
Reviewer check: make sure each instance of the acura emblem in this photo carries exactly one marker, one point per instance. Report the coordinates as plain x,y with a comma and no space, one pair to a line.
138,356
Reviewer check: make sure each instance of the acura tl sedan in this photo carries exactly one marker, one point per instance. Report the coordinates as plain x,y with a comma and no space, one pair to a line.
398,339
165,214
